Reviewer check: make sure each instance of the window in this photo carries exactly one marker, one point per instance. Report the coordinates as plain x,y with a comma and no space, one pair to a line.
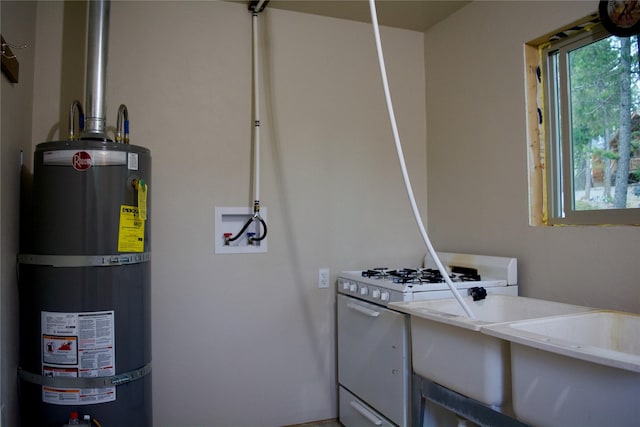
590,114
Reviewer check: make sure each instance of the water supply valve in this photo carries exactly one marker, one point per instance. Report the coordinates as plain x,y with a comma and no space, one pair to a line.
227,237
74,420
250,236
477,293
240,230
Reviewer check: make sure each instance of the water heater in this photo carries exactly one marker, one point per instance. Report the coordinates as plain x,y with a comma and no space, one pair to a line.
85,316
84,279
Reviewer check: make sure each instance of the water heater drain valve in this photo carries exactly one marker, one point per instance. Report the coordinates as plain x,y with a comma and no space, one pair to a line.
75,421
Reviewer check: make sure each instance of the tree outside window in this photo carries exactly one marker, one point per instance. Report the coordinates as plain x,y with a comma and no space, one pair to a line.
593,129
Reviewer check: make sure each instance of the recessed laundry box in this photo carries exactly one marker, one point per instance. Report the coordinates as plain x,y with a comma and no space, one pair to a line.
448,348
580,369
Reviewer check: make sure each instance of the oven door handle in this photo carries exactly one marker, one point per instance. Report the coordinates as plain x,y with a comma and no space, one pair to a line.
365,413
363,310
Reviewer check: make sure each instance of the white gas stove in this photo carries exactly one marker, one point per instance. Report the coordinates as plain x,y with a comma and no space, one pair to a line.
374,346
383,285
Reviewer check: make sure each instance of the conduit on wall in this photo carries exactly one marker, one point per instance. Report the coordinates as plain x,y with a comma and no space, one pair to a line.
255,7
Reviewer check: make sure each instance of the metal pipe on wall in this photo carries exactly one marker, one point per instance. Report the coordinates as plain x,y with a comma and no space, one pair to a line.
97,48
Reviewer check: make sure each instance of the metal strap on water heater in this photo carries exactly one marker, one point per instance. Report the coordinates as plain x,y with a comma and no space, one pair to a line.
84,260
93,382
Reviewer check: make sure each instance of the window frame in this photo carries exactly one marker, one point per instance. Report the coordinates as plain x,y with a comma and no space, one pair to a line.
559,187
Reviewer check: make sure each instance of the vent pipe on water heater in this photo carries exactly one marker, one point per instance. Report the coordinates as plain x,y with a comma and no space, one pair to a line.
84,283
97,47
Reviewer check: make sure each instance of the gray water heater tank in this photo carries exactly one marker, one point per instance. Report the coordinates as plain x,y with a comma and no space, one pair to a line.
85,288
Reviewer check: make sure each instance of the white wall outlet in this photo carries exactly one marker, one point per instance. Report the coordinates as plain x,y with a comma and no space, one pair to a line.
323,278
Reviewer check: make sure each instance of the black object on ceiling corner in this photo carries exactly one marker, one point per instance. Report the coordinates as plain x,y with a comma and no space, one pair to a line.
253,4
620,18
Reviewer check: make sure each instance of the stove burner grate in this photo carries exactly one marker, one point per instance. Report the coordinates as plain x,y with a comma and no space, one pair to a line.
376,273
422,275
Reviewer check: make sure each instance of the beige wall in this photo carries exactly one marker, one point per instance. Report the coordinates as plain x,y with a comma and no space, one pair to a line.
250,339
477,171
18,27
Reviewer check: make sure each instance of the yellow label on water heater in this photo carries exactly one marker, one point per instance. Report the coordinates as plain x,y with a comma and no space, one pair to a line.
142,199
131,230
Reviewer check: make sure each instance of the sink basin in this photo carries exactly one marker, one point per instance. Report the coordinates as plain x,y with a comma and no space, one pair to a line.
491,310
579,369
449,349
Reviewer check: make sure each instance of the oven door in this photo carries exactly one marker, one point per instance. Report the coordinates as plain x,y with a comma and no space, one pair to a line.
374,356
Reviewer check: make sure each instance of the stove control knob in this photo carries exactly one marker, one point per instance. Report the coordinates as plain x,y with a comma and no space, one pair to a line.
375,293
364,291
353,287
345,285
384,296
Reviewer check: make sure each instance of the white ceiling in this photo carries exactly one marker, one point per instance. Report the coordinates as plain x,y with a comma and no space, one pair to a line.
416,15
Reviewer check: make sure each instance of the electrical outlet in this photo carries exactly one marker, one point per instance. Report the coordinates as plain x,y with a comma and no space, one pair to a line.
323,278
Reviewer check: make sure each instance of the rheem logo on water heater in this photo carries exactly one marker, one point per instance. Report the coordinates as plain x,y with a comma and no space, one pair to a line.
81,161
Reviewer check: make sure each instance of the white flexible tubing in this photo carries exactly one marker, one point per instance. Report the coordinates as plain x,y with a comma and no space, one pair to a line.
403,166
256,110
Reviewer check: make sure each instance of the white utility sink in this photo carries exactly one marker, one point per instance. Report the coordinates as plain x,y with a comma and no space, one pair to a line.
579,369
448,348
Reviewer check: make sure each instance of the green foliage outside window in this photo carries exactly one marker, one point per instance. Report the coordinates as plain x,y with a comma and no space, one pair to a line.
593,128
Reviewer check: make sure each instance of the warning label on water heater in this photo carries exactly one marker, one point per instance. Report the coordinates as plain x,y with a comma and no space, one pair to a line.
78,345
131,230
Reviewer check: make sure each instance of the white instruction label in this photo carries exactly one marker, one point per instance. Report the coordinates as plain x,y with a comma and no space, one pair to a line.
132,161
78,345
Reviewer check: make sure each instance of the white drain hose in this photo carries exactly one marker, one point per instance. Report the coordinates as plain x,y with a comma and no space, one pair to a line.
403,166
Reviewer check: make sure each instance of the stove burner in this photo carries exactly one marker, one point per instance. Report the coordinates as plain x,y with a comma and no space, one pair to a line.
470,274
406,275
376,273
423,275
